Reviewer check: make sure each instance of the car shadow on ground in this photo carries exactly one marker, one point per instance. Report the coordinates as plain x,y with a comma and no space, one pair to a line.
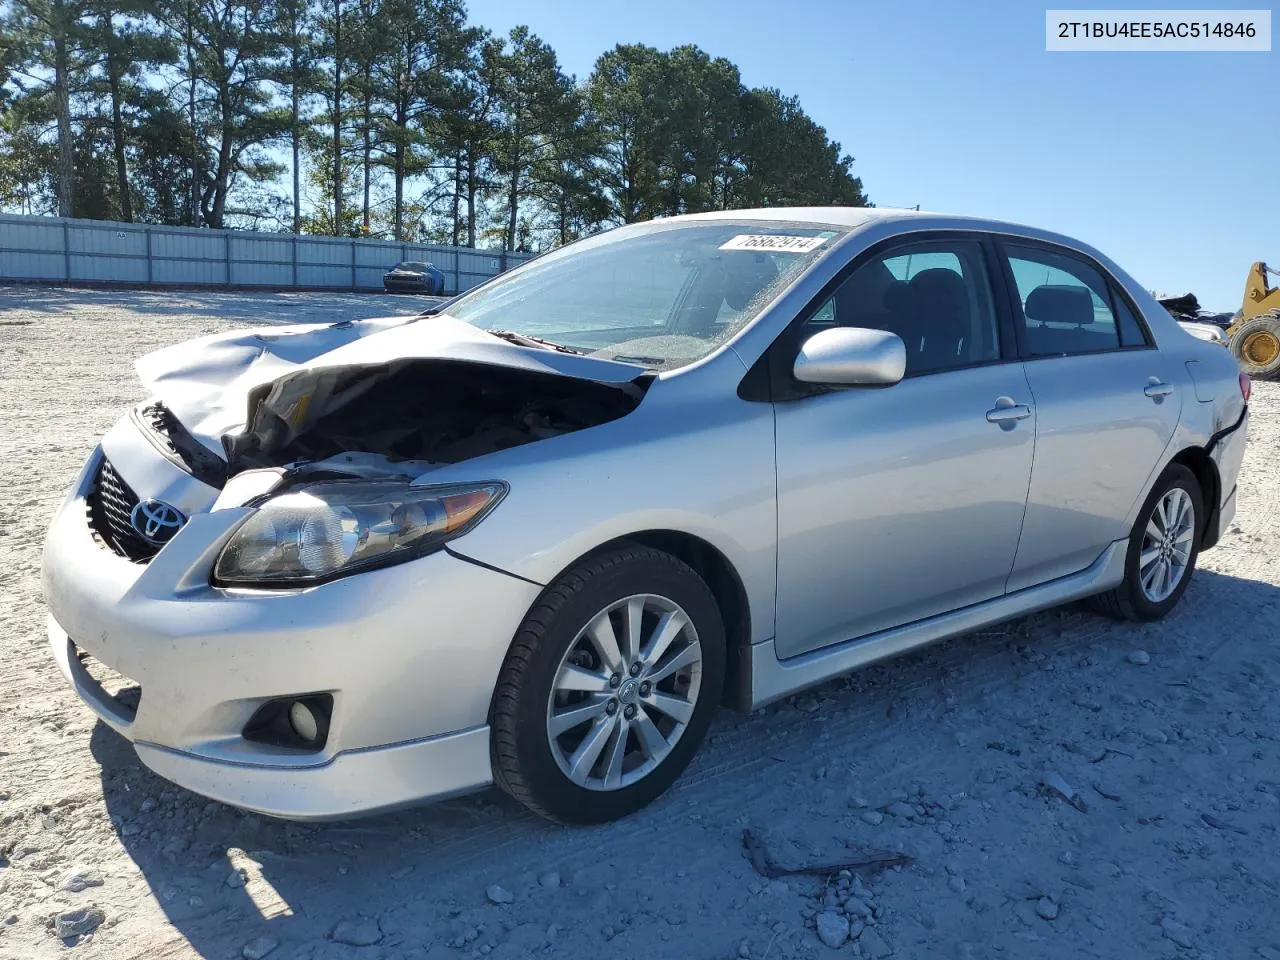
224,877
247,306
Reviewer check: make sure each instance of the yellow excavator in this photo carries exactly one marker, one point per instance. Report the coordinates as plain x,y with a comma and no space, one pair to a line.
1254,334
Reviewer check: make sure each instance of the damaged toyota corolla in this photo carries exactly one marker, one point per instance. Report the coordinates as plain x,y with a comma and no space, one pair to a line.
537,536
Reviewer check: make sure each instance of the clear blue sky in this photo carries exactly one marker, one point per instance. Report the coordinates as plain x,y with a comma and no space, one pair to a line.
1167,162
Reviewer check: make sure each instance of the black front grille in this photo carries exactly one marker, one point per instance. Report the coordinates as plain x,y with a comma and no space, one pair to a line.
111,503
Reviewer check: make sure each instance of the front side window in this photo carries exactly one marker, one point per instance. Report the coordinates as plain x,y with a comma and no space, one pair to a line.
1066,305
935,295
662,294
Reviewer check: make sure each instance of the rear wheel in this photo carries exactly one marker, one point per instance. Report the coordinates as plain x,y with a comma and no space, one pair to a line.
609,686
1256,344
1162,551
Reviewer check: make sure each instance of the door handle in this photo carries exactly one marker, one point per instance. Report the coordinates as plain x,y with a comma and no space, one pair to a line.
1007,412
1157,388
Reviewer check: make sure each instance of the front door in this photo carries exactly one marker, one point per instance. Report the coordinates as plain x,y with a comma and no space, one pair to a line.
900,503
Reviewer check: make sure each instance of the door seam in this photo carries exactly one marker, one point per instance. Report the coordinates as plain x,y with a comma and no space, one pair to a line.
1031,472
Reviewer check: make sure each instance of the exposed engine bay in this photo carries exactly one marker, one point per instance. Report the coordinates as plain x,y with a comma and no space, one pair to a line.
438,411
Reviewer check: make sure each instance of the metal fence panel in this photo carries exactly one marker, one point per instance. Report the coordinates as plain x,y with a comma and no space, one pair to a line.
200,273
189,244
326,277
377,254
31,234
98,251
485,262
102,269
324,250
107,241
271,249
261,274
369,278
33,266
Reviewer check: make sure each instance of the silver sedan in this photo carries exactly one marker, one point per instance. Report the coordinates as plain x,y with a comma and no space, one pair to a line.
536,537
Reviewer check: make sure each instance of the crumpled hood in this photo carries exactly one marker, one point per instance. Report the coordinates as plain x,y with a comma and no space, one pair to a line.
208,383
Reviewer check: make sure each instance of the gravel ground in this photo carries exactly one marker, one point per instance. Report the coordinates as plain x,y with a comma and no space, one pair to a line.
1165,737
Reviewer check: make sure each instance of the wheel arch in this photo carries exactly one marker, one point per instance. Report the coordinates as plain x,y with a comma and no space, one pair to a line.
1198,461
726,585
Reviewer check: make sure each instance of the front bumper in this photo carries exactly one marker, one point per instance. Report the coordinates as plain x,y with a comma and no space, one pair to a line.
409,653
409,284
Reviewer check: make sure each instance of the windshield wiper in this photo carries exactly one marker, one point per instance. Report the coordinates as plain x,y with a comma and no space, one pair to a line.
525,340
643,361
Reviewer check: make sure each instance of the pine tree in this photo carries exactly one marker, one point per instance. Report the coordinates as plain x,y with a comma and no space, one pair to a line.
45,42
229,47
537,102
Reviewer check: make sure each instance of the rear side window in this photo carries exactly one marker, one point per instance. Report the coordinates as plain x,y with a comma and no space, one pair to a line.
1066,305
1132,333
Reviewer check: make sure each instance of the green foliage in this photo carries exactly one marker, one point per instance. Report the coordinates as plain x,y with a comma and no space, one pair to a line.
681,134
392,118
27,159
227,50
539,109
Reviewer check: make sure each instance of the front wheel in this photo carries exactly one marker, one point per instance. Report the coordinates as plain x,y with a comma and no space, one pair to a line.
608,687
1162,550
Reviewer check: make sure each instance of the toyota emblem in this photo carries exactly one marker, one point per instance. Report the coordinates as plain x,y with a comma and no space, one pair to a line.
156,521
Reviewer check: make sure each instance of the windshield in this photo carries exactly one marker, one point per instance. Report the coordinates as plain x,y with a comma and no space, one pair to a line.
661,297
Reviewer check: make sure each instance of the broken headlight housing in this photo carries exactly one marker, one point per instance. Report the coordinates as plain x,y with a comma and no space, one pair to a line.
326,530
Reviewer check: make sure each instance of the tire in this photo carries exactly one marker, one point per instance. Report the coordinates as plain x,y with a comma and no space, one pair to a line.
553,649
1256,344
1131,600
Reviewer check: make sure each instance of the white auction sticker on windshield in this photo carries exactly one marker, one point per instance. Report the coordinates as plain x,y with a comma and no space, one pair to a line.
773,242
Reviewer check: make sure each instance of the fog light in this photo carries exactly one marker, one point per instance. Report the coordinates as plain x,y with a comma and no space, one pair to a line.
300,722
304,722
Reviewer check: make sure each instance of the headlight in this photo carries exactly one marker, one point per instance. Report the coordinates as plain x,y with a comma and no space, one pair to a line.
327,530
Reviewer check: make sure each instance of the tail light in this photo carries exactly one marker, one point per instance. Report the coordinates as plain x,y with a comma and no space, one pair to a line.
1246,387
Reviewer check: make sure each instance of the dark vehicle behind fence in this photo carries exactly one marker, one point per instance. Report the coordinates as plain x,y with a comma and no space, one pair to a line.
413,276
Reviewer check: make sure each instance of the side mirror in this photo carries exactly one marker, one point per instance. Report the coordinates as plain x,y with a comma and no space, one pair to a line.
852,356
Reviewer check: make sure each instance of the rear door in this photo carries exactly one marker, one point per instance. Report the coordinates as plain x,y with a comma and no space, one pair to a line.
1107,404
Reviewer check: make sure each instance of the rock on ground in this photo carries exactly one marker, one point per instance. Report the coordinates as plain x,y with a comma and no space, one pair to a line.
357,932
498,894
259,947
833,928
77,923
80,878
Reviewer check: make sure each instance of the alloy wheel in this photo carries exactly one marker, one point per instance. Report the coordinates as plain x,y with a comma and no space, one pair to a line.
624,692
1166,545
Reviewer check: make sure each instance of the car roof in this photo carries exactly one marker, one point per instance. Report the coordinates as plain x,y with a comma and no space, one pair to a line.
858,219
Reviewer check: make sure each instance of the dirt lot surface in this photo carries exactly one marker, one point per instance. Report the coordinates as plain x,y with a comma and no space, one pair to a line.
1167,732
